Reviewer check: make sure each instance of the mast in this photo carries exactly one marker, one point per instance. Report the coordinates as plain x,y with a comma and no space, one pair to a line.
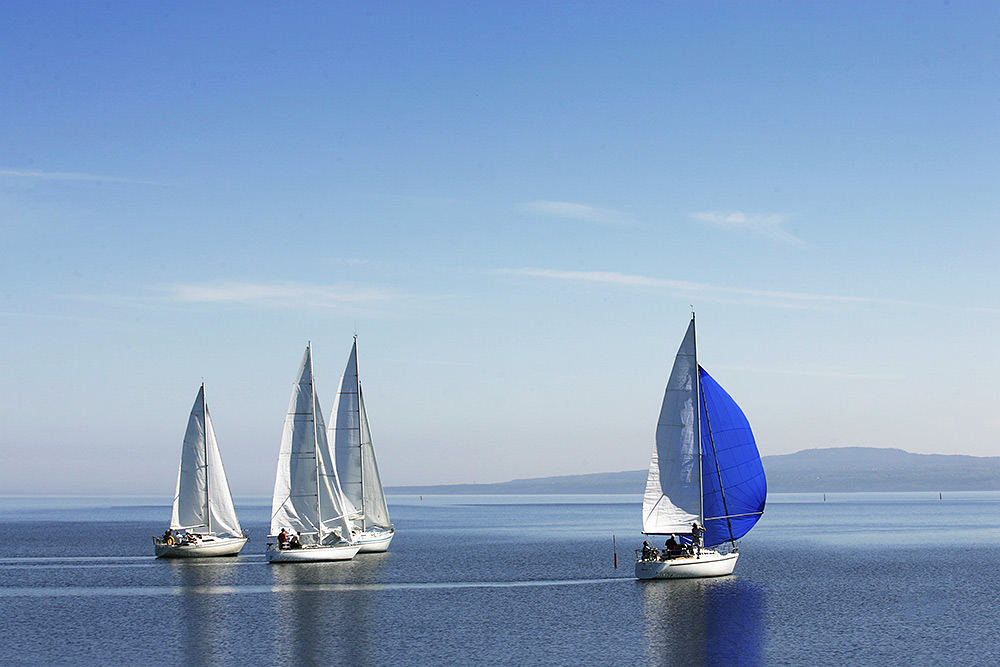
312,409
204,427
700,398
361,434
697,394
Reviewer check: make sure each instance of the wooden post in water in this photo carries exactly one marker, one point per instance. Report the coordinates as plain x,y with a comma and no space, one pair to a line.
614,547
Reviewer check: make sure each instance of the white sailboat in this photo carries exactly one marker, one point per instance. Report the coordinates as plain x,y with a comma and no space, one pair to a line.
706,484
308,507
356,464
203,521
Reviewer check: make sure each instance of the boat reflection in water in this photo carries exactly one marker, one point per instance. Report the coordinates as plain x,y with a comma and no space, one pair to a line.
326,613
703,622
206,612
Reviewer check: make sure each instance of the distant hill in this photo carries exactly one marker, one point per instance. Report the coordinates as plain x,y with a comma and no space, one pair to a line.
632,481
838,469
873,469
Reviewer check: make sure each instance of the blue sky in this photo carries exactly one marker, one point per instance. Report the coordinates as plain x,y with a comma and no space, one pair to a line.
514,205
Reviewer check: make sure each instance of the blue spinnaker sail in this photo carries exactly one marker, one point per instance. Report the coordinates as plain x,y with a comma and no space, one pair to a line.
728,456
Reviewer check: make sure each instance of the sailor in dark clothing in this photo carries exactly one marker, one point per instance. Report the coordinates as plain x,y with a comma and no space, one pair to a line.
697,537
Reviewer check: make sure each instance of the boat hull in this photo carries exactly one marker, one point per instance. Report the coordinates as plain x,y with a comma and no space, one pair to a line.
221,546
374,541
312,554
709,564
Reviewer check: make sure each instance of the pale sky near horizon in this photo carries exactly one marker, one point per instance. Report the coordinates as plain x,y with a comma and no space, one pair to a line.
515,206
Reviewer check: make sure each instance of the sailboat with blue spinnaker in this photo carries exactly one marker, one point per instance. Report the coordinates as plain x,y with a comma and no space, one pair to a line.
706,486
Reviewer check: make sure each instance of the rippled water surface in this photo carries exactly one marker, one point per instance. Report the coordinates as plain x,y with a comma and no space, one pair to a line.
880,579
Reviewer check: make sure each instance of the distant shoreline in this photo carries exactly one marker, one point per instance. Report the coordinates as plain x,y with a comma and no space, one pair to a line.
831,470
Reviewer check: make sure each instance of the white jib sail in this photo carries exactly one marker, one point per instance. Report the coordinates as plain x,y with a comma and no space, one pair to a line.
307,496
375,509
673,488
203,500
355,452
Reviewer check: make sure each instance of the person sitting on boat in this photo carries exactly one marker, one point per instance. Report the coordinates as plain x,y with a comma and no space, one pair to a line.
295,542
647,551
192,538
168,537
672,547
282,539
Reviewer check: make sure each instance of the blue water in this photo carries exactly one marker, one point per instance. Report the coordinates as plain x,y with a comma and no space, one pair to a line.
860,579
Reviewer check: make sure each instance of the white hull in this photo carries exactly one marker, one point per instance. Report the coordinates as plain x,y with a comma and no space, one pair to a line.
312,554
215,546
374,541
709,564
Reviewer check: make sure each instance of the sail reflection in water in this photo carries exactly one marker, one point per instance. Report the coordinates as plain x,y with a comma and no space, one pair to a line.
703,622
315,625
206,615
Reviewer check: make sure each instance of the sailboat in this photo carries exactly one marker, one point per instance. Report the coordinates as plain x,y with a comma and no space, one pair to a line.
356,465
309,513
203,521
706,484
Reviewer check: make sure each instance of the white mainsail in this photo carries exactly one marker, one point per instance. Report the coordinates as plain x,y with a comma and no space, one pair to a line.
307,495
355,451
673,498
203,500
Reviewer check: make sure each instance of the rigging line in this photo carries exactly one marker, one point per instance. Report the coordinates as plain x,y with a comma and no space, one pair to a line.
733,516
718,471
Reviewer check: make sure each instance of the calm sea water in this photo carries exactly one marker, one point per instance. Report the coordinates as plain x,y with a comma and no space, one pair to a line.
886,579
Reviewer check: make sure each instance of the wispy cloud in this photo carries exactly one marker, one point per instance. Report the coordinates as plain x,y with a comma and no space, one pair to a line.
768,226
565,209
288,295
68,176
373,264
603,277
776,299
